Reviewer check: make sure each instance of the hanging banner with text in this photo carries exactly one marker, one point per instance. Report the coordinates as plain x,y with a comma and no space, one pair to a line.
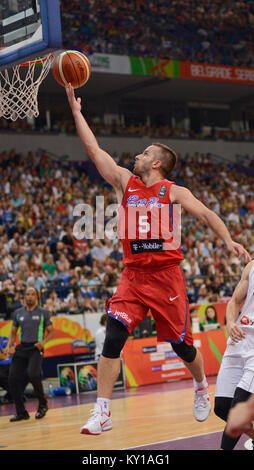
110,63
217,73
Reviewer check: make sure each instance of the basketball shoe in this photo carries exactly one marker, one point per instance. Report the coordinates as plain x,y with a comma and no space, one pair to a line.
99,421
202,405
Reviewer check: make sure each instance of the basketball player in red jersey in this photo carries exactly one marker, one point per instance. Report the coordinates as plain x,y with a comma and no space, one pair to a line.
152,278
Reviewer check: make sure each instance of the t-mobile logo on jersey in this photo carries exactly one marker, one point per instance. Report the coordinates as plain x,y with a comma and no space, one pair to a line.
143,246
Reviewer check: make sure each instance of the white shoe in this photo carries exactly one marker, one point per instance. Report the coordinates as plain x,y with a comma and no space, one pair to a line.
202,405
99,421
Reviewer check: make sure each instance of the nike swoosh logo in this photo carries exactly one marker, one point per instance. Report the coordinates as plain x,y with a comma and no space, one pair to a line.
131,190
173,298
104,421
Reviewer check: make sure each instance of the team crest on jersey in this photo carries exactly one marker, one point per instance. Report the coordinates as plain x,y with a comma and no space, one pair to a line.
162,192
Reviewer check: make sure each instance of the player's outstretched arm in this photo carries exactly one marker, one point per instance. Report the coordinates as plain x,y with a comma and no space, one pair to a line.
107,167
191,204
233,307
240,418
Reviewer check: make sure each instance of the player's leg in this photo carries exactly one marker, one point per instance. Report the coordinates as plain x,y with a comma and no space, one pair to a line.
193,360
170,310
245,387
227,442
123,317
196,366
108,371
231,386
228,377
109,362
247,383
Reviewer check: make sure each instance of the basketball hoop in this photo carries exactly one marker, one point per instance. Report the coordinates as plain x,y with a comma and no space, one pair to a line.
19,88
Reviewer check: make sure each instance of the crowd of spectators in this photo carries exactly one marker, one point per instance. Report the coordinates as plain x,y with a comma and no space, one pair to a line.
203,31
66,126
38,248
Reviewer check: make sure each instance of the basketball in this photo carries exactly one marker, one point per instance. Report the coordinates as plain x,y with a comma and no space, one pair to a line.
72,67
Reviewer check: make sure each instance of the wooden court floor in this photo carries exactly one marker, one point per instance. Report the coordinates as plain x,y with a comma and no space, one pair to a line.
138,420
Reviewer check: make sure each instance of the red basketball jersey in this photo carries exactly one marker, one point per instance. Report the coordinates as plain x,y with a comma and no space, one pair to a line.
148,225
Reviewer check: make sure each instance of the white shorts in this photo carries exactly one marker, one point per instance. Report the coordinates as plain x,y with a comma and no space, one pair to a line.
237,368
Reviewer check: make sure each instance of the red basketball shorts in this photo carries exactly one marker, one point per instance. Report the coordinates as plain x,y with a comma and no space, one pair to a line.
163,292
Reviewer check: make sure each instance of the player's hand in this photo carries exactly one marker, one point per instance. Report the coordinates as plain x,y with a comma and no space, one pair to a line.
239,420
39,346
235,332
74,103
239,251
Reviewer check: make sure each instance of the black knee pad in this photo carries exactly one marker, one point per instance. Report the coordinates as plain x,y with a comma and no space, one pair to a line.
116,337
239,396
186,352
222,406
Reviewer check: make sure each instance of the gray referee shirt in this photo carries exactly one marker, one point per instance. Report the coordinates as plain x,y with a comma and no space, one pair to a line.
32,323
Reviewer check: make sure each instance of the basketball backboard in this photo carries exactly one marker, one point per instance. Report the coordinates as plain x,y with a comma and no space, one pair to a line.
28,29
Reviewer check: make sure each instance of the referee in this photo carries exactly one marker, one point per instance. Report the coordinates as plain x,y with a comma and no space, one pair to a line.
27,360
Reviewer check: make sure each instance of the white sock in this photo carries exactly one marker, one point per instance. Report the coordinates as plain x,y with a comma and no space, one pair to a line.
199,385
104,404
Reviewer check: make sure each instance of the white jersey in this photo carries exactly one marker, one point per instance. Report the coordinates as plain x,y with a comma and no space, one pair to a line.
246,318
237,367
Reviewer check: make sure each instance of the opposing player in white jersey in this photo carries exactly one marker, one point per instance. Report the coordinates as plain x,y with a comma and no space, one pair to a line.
235,381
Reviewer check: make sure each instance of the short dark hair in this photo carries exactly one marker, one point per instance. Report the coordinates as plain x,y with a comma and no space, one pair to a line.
103,319
168,158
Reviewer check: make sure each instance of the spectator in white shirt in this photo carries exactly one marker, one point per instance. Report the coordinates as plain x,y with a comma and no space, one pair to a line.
234,216
100,336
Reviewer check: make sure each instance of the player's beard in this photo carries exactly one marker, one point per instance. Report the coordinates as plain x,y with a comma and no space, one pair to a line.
135,171
141,168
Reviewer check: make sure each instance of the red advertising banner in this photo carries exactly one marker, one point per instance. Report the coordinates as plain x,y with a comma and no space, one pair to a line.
217,73
148,362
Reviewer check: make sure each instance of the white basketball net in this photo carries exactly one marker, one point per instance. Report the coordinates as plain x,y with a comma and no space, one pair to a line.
19,88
